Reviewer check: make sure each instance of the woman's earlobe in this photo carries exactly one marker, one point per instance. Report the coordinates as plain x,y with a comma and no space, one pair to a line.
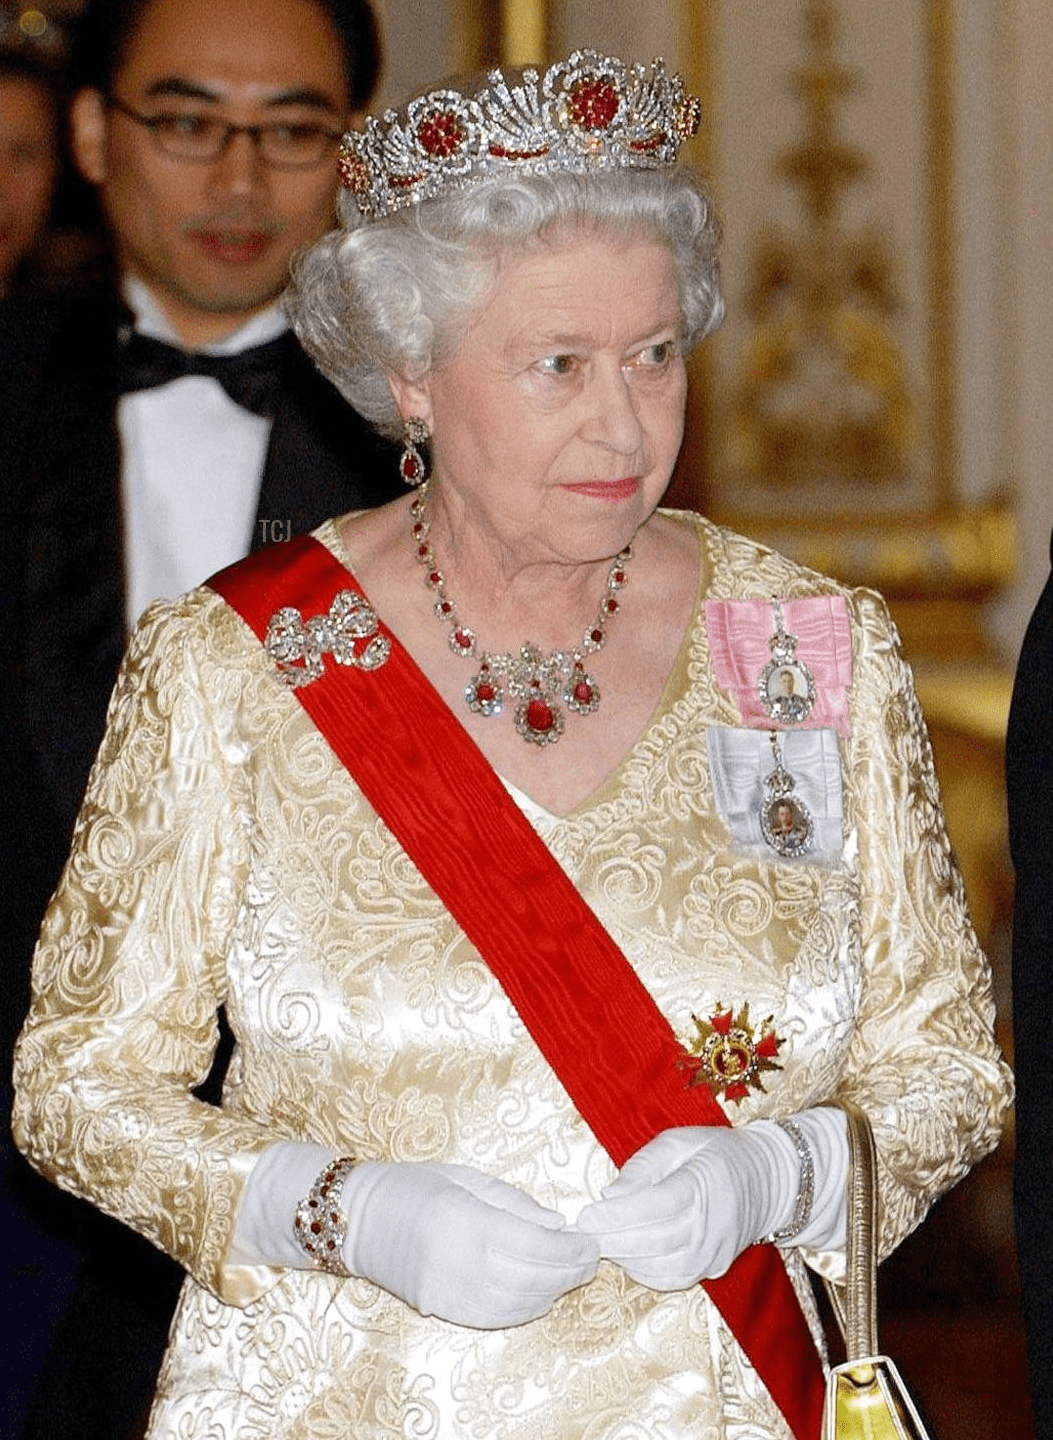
412,398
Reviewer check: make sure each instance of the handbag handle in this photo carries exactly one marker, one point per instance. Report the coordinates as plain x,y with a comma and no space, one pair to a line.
866,1397
855,1303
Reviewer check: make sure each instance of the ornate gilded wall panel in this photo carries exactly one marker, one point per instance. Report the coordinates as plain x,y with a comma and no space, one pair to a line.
826,406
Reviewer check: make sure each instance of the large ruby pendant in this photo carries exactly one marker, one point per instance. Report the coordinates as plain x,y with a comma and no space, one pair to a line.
539,719
539,716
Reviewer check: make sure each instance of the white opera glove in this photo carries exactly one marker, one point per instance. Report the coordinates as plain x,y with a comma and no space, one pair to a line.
687,1203
459,1244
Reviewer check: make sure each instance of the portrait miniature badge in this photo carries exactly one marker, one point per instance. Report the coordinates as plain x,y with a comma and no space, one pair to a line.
785,686
786,821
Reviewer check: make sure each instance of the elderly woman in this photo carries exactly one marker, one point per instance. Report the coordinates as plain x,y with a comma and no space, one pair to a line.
542,1013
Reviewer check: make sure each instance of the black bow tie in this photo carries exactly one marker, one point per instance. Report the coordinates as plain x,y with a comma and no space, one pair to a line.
251,378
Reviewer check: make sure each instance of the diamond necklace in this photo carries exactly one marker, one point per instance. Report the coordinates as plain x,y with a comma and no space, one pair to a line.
536,681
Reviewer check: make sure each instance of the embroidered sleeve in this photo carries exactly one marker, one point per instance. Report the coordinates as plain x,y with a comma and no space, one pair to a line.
129,971
923,1063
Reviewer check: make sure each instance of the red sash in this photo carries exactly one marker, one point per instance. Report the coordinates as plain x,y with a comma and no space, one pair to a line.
579,997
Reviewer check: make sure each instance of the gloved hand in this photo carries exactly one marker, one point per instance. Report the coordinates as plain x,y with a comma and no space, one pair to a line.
687,1203
459,1244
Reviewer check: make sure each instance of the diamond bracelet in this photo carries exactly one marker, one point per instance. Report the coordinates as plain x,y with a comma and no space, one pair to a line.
320,1225
802,1210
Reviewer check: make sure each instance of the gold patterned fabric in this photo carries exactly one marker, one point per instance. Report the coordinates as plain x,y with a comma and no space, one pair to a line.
222,857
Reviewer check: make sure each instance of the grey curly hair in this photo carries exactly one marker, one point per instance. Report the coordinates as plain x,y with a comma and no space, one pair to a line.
396,295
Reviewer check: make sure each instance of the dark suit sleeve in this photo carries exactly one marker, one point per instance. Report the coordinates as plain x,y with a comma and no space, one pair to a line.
60,599
1029,771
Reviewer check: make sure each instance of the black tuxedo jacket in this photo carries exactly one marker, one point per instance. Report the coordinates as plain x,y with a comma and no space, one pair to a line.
1029,775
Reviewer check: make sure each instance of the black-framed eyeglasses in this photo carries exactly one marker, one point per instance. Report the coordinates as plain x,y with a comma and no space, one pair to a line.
191,135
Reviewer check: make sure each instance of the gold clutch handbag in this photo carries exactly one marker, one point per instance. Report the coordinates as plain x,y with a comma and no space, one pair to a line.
866,1398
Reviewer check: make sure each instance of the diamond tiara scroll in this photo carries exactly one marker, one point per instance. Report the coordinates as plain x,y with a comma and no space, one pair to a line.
590,112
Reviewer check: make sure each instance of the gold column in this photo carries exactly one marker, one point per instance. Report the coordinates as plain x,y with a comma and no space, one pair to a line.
504,32
524,32
698,25
941,249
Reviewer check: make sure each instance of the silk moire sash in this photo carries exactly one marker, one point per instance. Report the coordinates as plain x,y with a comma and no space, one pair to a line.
575,991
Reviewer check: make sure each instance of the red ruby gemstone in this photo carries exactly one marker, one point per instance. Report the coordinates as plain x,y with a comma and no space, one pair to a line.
583,692
539,716
501,152
462,639
440,134
593,103
612,606
596,636
484,693
409,467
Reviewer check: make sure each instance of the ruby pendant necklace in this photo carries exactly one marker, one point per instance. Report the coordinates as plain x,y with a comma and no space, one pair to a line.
539,683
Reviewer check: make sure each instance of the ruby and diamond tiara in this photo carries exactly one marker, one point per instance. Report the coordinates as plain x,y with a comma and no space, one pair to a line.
589,112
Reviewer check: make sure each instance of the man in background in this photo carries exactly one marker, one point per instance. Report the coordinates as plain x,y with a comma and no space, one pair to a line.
30,158
156,423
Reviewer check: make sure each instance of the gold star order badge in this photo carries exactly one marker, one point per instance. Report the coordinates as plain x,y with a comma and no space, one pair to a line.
732,1057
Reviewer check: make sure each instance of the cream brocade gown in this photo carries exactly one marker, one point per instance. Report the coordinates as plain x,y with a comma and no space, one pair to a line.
222,856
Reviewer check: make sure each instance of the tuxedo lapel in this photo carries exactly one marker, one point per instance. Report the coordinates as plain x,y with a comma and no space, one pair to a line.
323,458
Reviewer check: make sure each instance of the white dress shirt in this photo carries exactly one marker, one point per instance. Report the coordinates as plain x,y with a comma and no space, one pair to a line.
192,461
